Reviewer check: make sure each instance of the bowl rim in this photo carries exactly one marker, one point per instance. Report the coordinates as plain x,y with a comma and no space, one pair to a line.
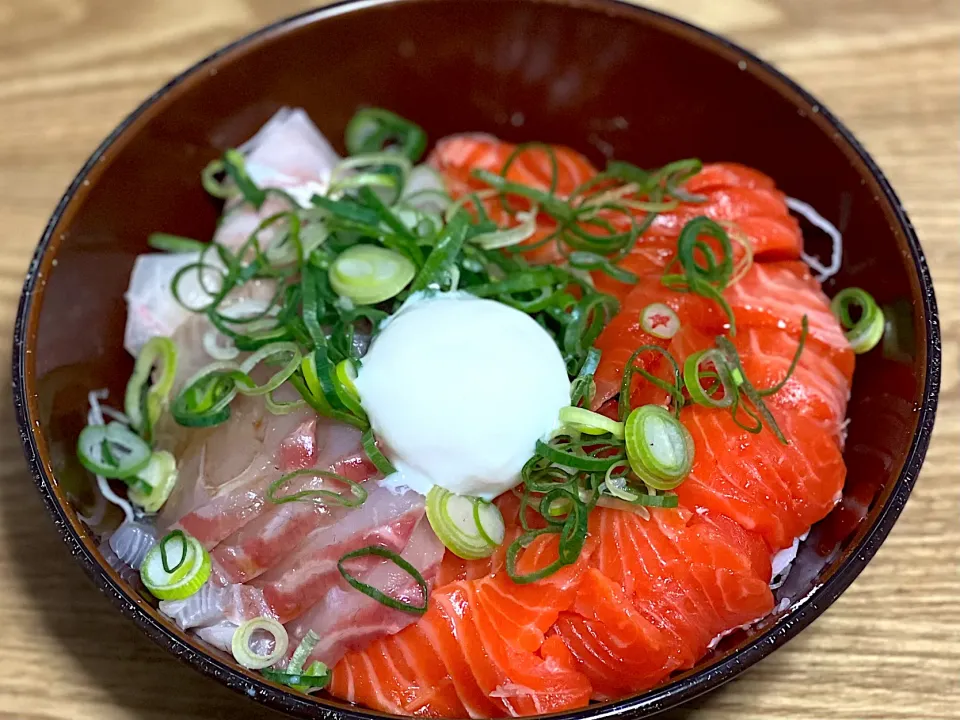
679,690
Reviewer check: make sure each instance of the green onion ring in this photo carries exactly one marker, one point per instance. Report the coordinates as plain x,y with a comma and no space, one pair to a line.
865,333
358,492
378,595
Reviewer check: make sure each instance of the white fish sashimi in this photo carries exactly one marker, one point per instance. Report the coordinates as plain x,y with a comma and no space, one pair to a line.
288,152
240,455
152,309
290,145
346,619
219,635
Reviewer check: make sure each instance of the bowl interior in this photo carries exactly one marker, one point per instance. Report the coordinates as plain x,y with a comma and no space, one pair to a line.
601,77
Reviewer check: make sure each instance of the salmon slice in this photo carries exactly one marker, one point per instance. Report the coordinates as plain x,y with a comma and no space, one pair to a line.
475,651
733,193
772,238
778,295
773,489
457,156
717,176
772,296
731,204
661,590
818,389
625,334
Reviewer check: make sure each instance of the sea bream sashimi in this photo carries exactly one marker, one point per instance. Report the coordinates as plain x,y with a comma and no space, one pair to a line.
270,558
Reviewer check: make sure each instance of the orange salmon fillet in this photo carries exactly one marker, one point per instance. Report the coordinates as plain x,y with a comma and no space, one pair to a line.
651,592
661,591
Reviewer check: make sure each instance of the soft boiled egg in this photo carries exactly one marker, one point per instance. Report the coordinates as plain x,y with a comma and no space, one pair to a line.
459,389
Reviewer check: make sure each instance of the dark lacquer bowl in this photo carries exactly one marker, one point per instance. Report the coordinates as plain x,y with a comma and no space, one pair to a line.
594,74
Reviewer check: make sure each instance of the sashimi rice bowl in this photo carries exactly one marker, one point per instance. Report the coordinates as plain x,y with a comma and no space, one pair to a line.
453,425
485,432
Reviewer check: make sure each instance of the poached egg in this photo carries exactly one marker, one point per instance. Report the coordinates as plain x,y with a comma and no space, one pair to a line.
459,389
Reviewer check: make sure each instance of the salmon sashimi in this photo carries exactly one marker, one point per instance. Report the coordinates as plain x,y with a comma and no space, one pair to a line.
475,650
456,157
775,296
732,192
777,490
662,590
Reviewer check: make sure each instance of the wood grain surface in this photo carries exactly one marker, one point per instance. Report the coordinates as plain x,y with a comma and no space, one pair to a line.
889,648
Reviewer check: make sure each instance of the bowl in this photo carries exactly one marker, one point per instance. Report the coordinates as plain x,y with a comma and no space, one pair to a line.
598,75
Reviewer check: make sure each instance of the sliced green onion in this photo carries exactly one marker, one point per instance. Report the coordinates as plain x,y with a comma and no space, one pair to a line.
179,580
279,407
208,178
644,500
659,447
378,459
356,497
584,260
300,655
316,383
674,390
508,237
374,130
378,595
269,353
206,397
866,331
244,634
316,677
567,452
182,556
174,243
694,372
112,451
572,531
469,527
145,400
369,274
591,423
441,261
155,482
235,166
345,375
583,388
616,485
425,191
659,320
711,277
760,413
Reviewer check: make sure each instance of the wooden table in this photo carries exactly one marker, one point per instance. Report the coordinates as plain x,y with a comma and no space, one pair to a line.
889,648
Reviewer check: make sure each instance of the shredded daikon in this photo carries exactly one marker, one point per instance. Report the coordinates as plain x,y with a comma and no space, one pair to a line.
95,417
836,253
